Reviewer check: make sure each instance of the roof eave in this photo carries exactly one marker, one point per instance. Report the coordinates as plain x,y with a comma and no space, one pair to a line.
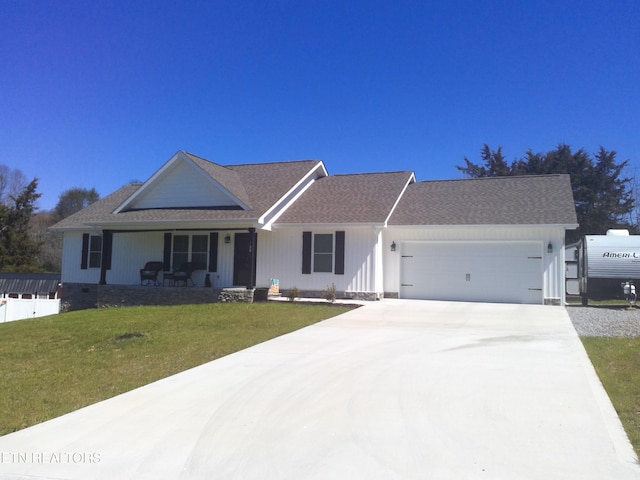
166,225
565,226
345,225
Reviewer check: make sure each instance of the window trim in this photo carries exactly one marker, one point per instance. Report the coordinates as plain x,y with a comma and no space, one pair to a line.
326,256
337,252
87,245
204,266
95,255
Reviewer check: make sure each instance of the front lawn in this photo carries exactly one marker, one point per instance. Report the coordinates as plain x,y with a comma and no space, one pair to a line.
617,361
53,365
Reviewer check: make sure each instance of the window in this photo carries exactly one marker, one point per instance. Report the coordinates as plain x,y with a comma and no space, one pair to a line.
95,251
323,252
180,250
92,251
199,251
190,248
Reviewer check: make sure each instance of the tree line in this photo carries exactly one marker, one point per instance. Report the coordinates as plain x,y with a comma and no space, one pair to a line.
605,197
26,243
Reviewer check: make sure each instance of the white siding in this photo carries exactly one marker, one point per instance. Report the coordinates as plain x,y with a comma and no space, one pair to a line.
184,187
71,258
280,256
130,253
553,263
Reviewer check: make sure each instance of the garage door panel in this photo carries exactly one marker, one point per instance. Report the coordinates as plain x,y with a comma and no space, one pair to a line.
497,272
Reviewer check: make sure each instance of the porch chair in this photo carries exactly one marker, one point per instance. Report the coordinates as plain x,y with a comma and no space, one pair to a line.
182,274
149,274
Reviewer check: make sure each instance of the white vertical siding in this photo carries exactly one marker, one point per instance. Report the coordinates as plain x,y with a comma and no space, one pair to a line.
370,266
71,259
280,256
130,252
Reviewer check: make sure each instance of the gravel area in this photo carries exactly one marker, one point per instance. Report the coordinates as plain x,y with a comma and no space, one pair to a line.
600,321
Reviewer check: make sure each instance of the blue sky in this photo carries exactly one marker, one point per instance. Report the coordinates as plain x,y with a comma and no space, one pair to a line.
96,94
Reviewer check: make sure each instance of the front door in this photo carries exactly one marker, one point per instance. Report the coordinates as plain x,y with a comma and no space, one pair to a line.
242,268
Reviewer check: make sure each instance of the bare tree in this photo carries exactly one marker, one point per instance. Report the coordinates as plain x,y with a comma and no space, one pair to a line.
12,183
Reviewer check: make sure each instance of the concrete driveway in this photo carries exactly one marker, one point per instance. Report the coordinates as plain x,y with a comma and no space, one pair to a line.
394,390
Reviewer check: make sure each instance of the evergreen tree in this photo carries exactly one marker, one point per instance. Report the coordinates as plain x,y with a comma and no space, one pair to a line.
18,250
603,195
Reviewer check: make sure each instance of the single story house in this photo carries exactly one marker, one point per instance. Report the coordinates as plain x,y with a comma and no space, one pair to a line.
370,235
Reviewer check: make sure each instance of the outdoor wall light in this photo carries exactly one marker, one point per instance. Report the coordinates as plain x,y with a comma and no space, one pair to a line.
227,238
393,246
550,248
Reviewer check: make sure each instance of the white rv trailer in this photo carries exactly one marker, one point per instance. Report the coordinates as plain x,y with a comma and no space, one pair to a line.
615,255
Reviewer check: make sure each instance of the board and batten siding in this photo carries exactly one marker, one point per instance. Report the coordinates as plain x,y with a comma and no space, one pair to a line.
553,263
280,256
131,251
71,259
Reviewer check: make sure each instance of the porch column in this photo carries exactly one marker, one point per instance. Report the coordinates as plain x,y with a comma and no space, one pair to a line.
105,261
252,252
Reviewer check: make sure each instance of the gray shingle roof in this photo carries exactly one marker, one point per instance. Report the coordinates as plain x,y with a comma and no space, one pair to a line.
525,200
29,282
225,176
261,184
351,199
361,198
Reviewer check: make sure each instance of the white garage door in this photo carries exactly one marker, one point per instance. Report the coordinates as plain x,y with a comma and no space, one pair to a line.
509,272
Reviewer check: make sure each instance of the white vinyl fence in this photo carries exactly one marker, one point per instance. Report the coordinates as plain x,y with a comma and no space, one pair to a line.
22,308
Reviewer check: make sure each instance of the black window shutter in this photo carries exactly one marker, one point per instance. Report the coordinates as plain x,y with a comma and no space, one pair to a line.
339,259
85,251
107,248
166,259
213,251
306,252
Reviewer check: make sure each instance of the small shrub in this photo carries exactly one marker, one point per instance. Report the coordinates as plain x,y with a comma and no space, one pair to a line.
330,293
293,293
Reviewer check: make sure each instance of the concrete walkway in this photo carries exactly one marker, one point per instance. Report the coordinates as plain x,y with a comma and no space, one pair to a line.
394,390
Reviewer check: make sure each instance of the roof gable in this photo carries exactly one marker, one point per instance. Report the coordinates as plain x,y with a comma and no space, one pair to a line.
187,181
264,190
522,200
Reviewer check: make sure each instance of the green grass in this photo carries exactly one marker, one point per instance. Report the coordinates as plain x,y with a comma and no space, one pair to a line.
617,362
53,365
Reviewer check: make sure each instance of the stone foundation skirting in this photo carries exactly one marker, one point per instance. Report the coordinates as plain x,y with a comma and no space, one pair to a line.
80,296
368,296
